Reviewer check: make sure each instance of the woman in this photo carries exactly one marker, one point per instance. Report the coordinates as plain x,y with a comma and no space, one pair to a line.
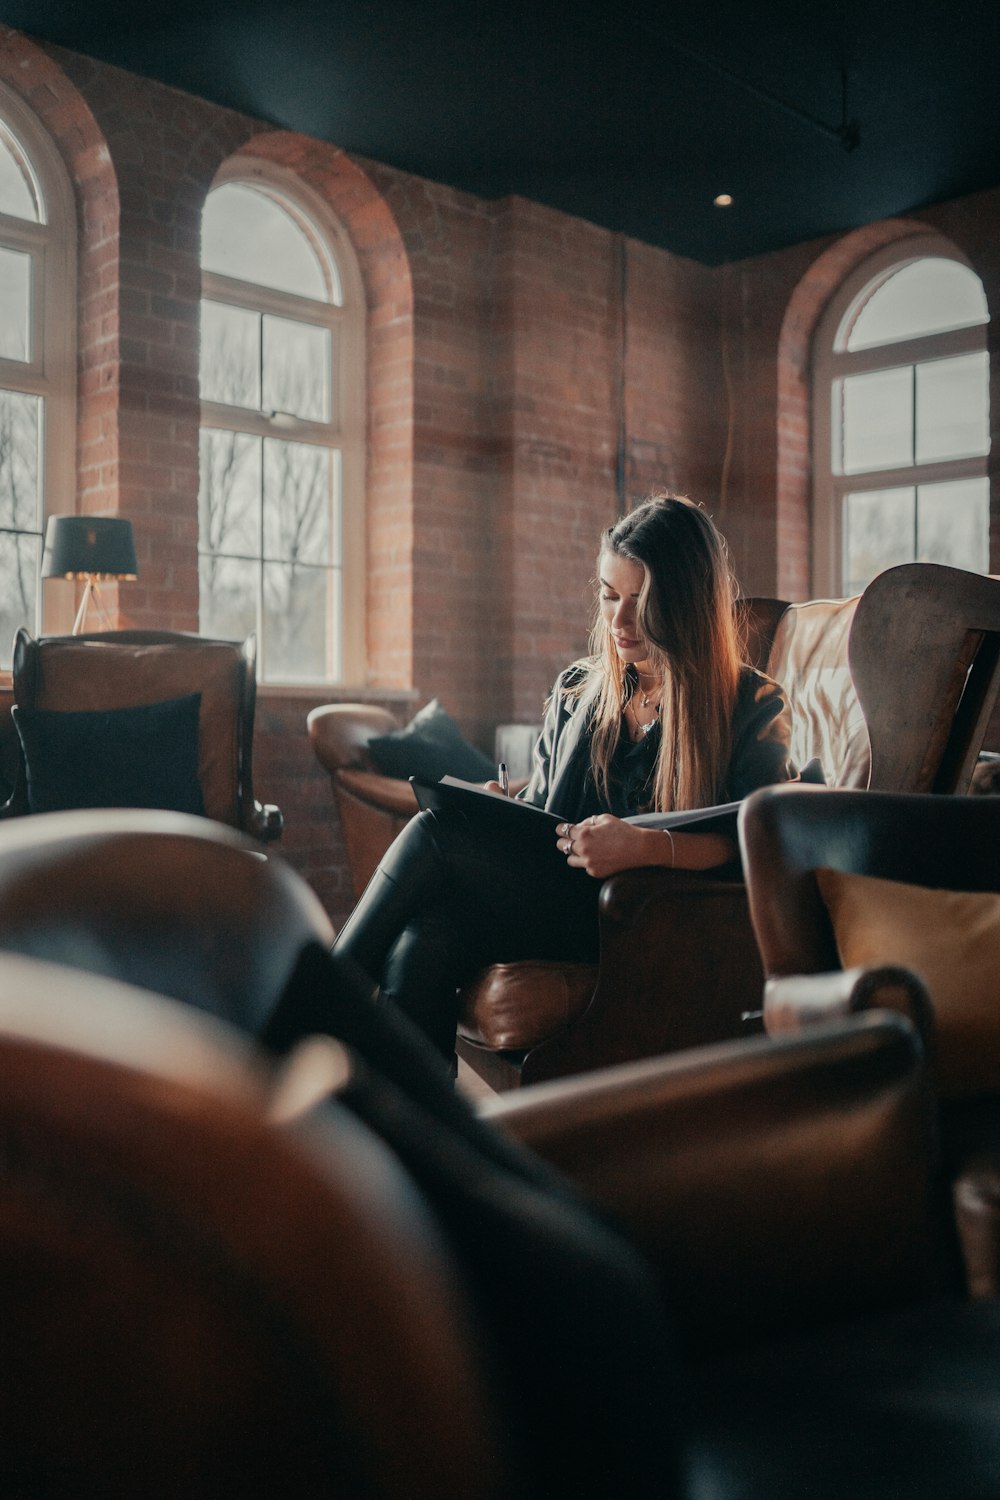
663,716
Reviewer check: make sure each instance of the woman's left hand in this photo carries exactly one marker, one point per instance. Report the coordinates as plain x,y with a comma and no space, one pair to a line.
603,845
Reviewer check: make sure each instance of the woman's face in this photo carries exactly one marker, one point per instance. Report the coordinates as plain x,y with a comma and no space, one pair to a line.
621,584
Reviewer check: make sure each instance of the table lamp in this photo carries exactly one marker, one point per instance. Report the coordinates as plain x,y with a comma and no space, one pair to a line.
89,548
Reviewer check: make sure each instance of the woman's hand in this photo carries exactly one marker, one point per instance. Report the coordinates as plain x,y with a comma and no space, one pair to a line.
603,845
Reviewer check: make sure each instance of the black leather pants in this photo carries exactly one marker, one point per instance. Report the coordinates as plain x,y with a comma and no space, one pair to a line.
445,903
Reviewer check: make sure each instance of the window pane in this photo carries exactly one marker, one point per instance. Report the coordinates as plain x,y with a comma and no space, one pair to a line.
245,234
15,304
299,609
298,502
230,355
953,524
877,420
879,532
20,416
953,407
229,492
227,597
19,193
297,369
927,296
20,561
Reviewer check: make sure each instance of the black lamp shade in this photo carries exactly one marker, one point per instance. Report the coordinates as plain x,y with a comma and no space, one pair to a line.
89,547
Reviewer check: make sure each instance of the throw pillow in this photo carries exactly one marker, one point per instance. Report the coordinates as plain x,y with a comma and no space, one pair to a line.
431,746
952,940
118,757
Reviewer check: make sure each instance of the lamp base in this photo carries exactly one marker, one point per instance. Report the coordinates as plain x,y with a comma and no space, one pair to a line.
90,592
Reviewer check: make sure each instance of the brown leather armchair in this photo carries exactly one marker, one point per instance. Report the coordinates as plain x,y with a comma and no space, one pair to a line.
372,807
788,1194
792,838
892,690
127,668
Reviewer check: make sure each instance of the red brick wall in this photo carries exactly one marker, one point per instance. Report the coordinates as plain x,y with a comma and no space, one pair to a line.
527,374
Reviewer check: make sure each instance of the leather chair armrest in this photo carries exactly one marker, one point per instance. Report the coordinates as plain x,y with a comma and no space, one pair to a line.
388,793
679,966
774,1182
794,1002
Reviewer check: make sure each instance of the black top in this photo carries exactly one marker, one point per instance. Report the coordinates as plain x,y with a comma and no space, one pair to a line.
562,781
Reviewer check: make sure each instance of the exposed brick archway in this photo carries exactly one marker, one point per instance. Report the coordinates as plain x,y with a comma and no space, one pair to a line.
805,308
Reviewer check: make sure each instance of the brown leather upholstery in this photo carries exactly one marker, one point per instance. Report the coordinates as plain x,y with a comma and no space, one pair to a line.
945,843
515,1006
195,1302
126,668
738,1170
891,689
793,1206
176,904
372,808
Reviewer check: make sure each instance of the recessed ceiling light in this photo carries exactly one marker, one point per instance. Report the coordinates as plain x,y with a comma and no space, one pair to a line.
723,200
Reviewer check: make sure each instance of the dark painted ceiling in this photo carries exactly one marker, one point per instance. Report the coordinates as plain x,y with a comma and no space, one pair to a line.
814,117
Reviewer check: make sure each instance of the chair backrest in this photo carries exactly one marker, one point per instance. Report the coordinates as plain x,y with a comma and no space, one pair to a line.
169,902
788,833
197,1302
925,658
128,668
893,688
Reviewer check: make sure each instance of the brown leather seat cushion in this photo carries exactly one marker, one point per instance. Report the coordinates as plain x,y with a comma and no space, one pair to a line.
512,1007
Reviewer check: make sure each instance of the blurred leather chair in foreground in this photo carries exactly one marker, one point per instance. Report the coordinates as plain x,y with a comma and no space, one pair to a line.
787,1192
176,904
154,719
197,1303
866,899
892,690
787,1195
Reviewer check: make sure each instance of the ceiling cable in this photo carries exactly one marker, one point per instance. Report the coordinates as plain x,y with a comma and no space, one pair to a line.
846,134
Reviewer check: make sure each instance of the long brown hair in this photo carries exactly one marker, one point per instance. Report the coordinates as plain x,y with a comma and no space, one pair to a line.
687,614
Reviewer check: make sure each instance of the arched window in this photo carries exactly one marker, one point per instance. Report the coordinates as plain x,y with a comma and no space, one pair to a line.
280,523
37,360
901,418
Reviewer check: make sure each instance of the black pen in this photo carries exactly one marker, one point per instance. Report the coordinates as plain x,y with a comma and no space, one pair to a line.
503,778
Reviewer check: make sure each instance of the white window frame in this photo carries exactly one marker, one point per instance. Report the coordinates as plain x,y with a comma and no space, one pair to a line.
345,431
830,365
51,372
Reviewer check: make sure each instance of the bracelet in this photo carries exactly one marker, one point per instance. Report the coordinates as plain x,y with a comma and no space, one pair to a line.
671,838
